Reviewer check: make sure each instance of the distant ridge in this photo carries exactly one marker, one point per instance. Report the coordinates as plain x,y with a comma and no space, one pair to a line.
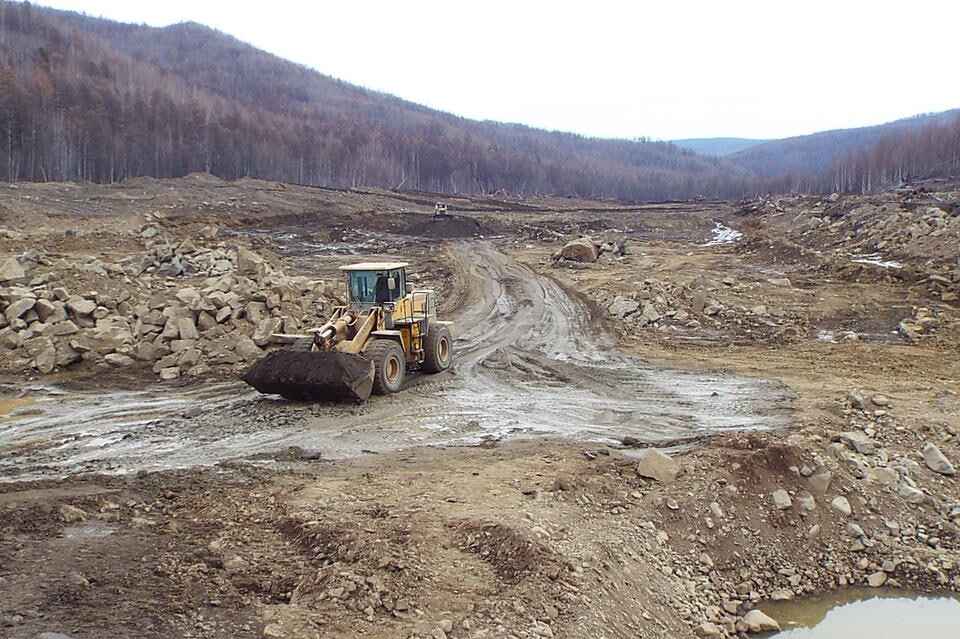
817,152
717,147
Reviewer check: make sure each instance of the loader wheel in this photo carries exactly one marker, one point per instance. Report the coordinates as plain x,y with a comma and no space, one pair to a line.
437,350
303,344
389,365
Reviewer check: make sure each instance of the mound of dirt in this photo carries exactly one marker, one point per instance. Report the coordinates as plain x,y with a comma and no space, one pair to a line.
448,226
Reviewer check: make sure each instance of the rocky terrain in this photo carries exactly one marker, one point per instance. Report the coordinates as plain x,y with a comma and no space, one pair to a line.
502,537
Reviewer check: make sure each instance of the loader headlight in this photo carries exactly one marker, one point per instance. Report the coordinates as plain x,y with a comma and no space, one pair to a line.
389,307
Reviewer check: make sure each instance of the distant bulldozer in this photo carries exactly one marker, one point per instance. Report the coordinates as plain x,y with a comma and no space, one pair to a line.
366,346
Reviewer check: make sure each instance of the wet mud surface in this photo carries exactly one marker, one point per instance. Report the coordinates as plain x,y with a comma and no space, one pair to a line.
529,361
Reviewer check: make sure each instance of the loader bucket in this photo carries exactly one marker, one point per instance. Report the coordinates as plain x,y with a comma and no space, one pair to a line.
313,375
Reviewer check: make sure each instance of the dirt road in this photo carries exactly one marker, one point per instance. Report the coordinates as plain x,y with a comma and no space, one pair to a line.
530,361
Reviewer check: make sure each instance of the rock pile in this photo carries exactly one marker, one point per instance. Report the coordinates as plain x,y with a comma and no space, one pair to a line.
224,317
700,302
923,234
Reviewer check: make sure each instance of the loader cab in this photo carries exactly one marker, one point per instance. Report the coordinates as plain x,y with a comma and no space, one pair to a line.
372,284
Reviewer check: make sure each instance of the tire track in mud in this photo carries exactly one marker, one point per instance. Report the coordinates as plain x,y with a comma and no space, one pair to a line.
528,362
533,362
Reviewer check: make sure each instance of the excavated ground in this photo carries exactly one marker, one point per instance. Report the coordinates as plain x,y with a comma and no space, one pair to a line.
503,498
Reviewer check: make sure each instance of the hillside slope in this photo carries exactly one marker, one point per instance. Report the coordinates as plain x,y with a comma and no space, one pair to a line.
91,99
817,152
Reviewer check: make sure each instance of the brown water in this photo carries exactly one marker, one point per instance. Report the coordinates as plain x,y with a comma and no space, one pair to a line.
866,612
9,406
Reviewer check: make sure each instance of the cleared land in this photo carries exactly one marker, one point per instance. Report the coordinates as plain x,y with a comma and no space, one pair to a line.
797,375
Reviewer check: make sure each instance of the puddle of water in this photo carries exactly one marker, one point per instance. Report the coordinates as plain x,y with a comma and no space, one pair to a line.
866,612
9,406
835,337
723,234
875,259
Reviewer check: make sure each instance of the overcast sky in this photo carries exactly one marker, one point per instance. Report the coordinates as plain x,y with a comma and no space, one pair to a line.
665,69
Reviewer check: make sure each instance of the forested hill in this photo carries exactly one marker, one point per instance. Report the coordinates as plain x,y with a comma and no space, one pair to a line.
91,99
814,154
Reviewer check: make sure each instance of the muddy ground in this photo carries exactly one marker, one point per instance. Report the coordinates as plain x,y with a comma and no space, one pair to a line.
793,372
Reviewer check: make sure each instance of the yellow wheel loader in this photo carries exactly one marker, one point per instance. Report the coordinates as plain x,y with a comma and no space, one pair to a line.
367,346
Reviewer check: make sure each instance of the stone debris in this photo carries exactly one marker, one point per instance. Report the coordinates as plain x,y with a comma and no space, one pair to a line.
225,317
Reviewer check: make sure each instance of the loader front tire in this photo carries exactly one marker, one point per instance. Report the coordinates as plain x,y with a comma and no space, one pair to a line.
304,344
437,350
389,366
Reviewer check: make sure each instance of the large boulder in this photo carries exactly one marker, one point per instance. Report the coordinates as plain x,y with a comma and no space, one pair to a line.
757,621
11,270
656,465
580,250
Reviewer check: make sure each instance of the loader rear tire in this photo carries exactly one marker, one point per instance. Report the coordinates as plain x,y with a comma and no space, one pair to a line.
389,366
437,350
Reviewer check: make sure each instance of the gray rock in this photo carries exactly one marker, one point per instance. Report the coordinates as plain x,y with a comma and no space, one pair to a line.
9,339
169,373
841,505
46,361
187,329
80,306
247,349
657,465
883,476
877,579
119,360
936,461
707,630
880,400
781,499
64,328
806,503
758,621
856,400
820,481
189,297
699,300
171,330
910,493
12,270
262,335
621,307
856,440
19,308
249,263
205,321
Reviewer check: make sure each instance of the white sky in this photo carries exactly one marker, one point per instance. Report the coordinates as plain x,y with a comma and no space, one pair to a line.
665,69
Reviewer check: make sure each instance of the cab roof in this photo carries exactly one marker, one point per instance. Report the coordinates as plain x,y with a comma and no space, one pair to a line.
374,266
